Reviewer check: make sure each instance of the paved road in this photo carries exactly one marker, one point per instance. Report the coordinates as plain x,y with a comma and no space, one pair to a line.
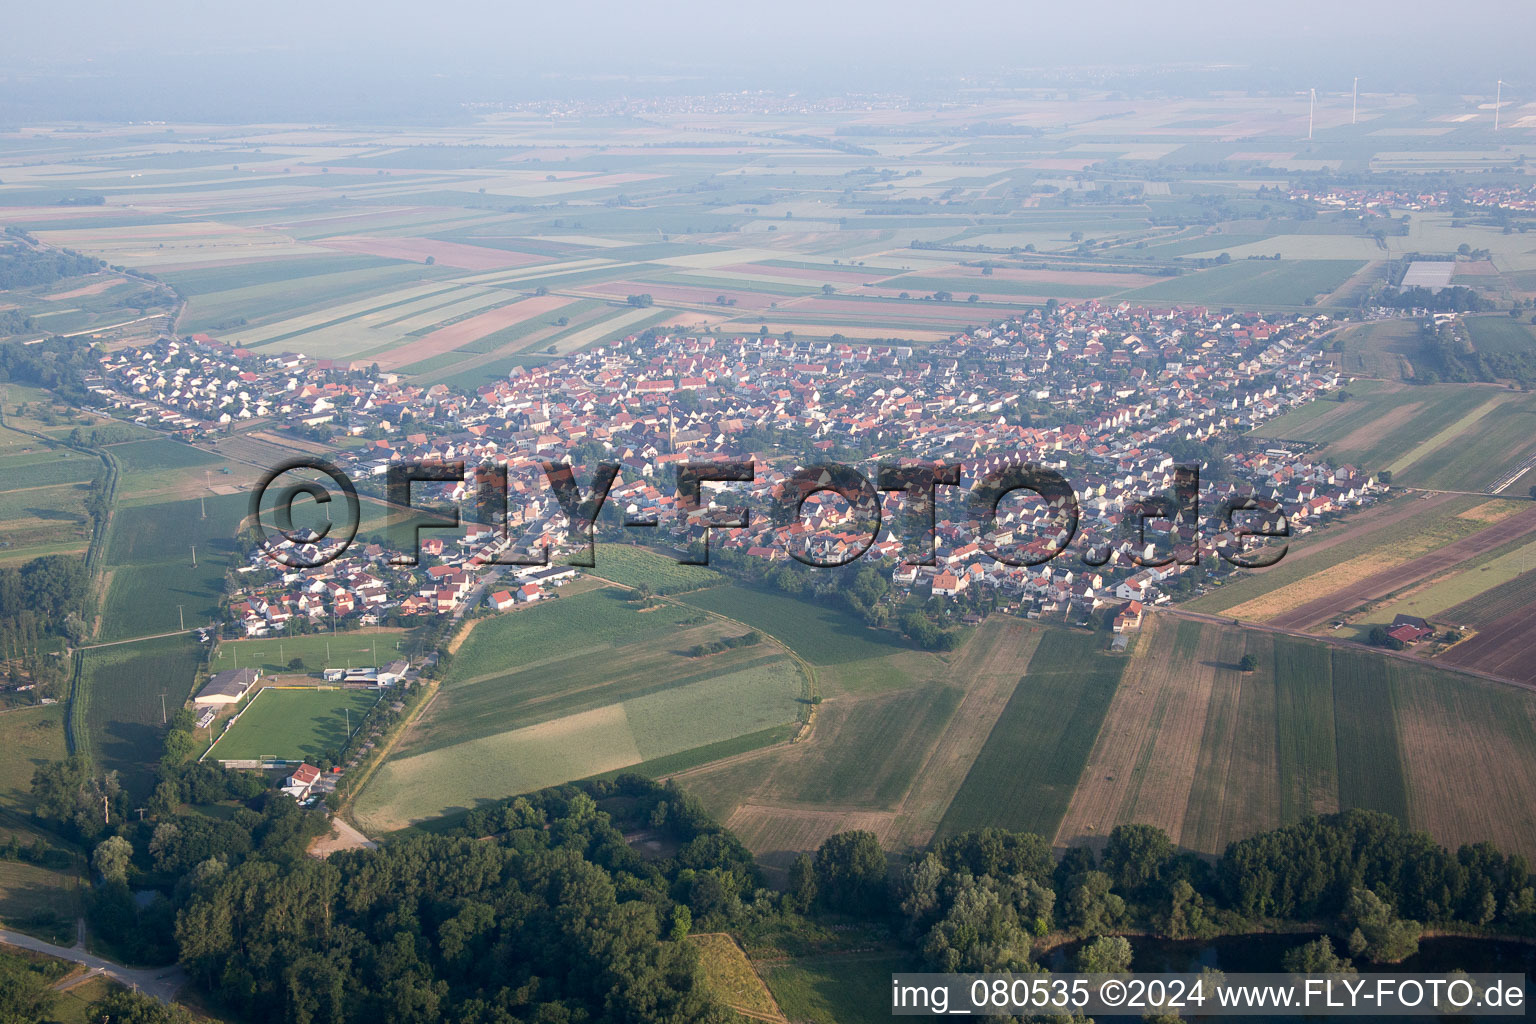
161,982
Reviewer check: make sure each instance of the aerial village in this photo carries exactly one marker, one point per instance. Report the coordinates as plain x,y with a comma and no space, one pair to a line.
1111,397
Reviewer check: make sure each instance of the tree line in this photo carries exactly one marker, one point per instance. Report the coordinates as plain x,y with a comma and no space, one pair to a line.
539,909
21,267
58,364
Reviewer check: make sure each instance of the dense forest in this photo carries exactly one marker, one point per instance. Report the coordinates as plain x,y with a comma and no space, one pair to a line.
537,909
23,267
1450,355
14,321
59,364
40,602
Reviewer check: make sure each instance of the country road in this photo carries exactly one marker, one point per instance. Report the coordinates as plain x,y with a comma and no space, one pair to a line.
161,982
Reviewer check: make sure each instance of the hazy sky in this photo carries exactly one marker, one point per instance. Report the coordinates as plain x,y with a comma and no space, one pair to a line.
165,52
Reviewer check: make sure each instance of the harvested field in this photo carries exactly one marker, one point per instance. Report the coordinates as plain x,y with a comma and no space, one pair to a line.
1356,551
94,288
989,665
836,275
418,250
1236,787
777,834
1416,565
1104,283
1142,767
454,336
1467,754
1034,758
669,293
1504,647
1494,604
888,758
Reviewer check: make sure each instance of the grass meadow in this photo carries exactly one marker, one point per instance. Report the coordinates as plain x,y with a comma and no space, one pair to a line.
117,711
821,634
149,564
580,686
358,648
631,566
1211,753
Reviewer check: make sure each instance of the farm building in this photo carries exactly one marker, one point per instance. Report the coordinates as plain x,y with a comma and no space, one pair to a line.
227,687
548,574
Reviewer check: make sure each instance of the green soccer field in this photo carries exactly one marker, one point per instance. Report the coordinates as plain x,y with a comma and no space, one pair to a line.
294,724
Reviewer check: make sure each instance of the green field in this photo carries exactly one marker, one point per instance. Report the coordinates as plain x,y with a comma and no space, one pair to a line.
580,686
575,655
1381,545
749,699
1252,283
49,468
1464,596
43,489
632,566
821,634
1388,349
270,300
1370,761
849,988
567,627
1025,774
874,749
29,738
1500,334
293,724
149,564
1495,603
159,453
117,713
1445,436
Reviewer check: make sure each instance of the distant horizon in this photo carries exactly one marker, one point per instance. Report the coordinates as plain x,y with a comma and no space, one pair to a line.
288,61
